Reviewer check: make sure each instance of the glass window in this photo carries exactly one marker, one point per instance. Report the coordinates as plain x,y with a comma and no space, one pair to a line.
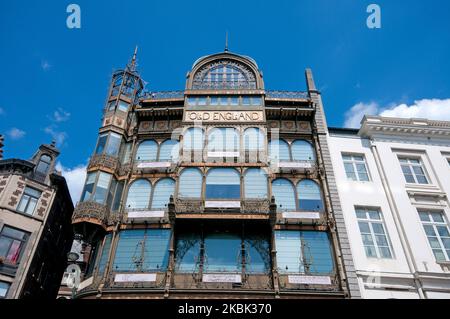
190,183
257,257
12,242
187,257
254,139
88,187
279,151
125,153
234,100
373,233
4,287
164,188
256,100
302,151
118,196
309,196
355,167
123,106
101,191
147,151
214,100
255,183
111,105
283,191
139,194
223,183
201,100
303,252
113,144
141,250
224,100
105,254
44,164
222,253
101,143
224,76
438,234
223,139
191,101
246,100
413,170
168,151
193,139
29,200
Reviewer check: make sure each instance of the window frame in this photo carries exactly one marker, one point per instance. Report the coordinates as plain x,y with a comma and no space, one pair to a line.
421,165
94,188
353,161
107,144
438,236
370,221
48,164
218,198
23,243
30,196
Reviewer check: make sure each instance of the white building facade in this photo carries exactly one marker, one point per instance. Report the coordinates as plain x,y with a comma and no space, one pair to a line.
393,180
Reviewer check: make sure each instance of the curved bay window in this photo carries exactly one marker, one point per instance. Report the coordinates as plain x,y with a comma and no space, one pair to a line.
223,183
190,183
96,187
303,252
309,196
109,144
255,183
283,191
142,250
224,74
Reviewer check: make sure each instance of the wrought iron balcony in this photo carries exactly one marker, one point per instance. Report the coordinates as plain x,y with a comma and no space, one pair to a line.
91,213
256,282
104,160
287,95
245,206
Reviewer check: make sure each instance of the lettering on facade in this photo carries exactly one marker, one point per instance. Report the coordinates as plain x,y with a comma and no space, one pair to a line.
224,116
221,278
309,280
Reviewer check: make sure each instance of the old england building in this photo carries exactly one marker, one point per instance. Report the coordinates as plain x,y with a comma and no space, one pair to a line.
225,189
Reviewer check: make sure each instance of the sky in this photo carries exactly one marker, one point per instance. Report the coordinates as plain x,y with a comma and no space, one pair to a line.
55,79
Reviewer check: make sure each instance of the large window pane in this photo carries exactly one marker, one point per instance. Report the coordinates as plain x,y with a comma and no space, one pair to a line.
147,151
302,151
187,258
223,183
257,254
105,254
279,151
101,191
309,196
193,139
289,252
283,191
253,139
101,143
142,250
164,188
168,151
222,253
223,139
89,187
190,183
113,144
139,194
255,183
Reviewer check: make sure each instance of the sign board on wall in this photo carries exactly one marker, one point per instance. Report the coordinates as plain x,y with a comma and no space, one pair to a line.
134,277
221,278
309,280
224,116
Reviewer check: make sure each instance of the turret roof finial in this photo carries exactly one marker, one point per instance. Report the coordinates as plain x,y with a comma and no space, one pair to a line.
226,42
133,60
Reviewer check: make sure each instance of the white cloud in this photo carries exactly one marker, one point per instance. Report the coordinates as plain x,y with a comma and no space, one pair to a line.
15,133
75,178
58,136
354,116
432,109
45,65
60,115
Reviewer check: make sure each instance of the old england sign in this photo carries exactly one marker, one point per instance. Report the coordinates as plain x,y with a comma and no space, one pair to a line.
224,116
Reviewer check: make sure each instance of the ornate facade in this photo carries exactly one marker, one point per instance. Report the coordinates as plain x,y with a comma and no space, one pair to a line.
224,189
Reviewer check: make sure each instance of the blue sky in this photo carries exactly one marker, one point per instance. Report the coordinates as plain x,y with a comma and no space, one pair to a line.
54,79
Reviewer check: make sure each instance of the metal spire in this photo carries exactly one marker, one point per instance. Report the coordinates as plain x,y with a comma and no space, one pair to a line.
226,42
133,60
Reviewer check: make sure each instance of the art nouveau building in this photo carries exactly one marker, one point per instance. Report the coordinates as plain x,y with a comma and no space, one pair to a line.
225,189
393,178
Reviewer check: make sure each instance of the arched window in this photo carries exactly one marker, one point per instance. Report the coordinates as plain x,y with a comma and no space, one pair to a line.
163,189
223,183
279,151
44,164
255,183
147,151
309,196
253,139
168,151
139,194
223,140
193,139
302,151
283,191
224,75
190,183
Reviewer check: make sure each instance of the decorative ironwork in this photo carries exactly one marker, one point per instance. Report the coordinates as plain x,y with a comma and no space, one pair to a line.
104,160
224,74
189,205
259,206
287,95
90,210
